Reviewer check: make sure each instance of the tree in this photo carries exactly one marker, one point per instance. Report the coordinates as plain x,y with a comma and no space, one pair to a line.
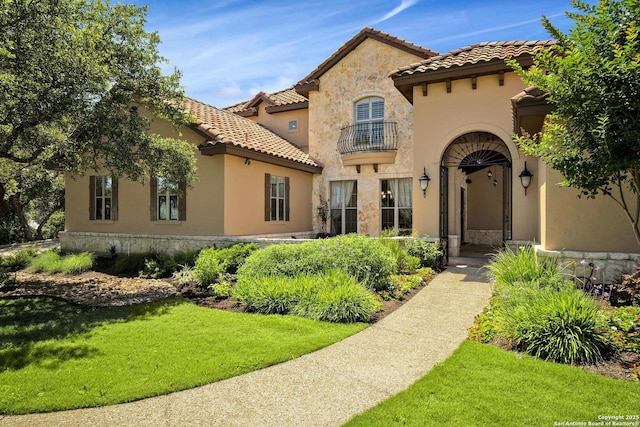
592,75
72,76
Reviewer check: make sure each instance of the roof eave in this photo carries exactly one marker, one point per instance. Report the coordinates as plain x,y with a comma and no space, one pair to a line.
209,149
287,107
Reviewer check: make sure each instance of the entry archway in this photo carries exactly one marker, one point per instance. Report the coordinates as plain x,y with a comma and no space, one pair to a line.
475,192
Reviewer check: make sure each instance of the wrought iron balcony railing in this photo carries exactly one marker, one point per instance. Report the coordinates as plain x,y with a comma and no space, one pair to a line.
364,137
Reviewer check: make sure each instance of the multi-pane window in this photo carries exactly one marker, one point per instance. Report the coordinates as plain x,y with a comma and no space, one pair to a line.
168,192
396,205
344,207
369,115
103,197
277,198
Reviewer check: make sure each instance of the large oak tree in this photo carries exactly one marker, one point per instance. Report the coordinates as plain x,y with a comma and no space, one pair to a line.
592,75
72,73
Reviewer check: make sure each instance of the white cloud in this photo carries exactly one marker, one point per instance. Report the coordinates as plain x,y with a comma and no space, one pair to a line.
404,4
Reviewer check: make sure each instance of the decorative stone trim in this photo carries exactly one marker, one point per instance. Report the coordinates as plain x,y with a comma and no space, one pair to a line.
103,243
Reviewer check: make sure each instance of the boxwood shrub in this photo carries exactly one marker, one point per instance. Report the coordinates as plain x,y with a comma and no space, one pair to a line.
368,260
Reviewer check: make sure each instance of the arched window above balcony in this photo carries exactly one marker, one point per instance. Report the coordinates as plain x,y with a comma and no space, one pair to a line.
369,120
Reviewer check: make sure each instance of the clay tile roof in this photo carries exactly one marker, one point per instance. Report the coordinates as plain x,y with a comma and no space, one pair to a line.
284,99
474,54
224,127
365,33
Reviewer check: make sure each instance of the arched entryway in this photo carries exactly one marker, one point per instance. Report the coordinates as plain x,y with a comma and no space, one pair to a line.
475,192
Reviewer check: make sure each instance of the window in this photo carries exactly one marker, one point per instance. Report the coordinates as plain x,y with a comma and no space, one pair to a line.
396,205
103,199
293,125
344,207
369,118
276,198
168,200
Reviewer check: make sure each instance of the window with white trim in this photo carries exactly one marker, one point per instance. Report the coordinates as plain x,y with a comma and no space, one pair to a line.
276,198
103,197
396,203
369,119
344,207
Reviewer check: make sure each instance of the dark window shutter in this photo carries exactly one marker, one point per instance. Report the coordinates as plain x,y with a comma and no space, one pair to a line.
267,197
114,198
182,201
286,198
92,197
153,204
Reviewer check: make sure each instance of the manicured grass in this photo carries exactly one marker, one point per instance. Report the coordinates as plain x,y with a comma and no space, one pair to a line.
55,355
480,385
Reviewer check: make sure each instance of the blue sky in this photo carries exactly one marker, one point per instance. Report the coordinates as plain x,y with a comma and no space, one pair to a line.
229,50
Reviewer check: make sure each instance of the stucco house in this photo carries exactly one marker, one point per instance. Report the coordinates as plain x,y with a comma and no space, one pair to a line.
363,132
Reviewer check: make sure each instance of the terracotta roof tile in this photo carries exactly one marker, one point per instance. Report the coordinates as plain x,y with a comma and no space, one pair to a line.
285,97
225,127
488,51
366,32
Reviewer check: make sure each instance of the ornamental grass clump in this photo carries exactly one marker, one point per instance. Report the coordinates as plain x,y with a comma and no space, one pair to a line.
368,260
556,325
332,296
51,262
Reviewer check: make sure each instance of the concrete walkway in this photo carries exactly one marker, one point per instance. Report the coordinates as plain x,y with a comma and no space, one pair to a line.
324,388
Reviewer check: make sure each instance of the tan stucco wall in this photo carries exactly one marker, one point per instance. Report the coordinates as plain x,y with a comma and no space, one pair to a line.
439,118
278,123
360,74
244,199
572,223
227,199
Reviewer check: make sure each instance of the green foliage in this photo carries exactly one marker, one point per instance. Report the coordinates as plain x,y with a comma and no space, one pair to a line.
75,80
405,263
232,257
623,330
333,296
403,284
223,289
560,326
53,225
129,264
367,259
19,259
429,253
591,75
627,292
507,268
183,275
208,267
51,262
482,330
11,231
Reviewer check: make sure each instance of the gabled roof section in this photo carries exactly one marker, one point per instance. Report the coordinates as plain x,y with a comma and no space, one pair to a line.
311,82
229,133
478,59
284,100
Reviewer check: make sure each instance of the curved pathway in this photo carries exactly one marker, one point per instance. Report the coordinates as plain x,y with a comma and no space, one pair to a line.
324,388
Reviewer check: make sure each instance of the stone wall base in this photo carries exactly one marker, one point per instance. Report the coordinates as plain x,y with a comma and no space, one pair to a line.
484,237
122,243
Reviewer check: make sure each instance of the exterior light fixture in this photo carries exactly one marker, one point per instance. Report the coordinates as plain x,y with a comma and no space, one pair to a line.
525,178
424,182
489,174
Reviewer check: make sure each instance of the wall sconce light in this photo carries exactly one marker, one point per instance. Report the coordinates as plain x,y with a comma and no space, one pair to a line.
247,161
489,174
525,178
424,182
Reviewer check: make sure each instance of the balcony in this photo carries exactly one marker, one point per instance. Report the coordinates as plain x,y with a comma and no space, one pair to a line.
368,143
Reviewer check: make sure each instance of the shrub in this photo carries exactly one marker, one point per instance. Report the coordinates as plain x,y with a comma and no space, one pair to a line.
429,253
627,292
402,285
207,268
482,329
18,260
232,257
53,226
183,275
368,260
557,325
624,328
185,258
51,262
129,264
333,296
405,263
507,267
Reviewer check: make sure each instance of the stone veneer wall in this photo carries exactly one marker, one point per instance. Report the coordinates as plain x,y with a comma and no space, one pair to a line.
101,243
362,73
609,265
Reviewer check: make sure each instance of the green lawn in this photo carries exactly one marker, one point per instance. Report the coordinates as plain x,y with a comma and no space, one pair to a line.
55,355
480,385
